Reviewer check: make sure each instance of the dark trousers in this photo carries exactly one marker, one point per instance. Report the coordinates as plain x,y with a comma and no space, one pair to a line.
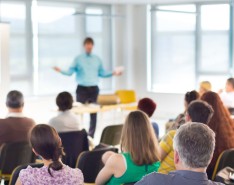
88,95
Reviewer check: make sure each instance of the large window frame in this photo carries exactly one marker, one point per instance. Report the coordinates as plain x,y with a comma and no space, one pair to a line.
32,73
197,71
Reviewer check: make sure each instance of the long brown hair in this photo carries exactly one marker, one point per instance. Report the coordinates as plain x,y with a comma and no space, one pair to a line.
222,124
139,140
47,143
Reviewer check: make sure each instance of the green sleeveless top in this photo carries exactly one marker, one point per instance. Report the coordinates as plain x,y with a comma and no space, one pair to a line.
133,172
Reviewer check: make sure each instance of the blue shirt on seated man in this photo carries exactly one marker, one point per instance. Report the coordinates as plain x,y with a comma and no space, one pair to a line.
193,150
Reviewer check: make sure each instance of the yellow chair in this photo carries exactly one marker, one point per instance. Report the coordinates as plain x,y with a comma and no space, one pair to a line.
126,96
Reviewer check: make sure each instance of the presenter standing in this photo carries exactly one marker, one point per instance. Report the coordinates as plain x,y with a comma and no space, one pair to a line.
88,68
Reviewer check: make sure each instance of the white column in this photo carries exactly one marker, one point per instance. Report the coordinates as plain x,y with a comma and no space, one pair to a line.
4,58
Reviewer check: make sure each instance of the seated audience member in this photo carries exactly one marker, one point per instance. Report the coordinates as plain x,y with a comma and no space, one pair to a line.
197,111
189,97
148,106
16,126
139,153
65,121
47,144
205,86
223,126
193,153
227,97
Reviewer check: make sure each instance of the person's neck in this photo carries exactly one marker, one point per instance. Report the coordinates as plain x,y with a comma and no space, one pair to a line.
201,170
19,110
48,162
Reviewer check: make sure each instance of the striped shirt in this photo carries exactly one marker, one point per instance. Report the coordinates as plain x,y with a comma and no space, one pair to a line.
167,164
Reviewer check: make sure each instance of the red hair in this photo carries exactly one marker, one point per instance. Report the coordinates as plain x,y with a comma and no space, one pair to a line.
147,105
222,124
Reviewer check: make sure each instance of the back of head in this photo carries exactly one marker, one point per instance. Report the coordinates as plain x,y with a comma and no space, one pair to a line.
139,140
47,143
191,96
88,40
221,114
64,101
147,105
206,86
200,111
195,143
15,100
231,82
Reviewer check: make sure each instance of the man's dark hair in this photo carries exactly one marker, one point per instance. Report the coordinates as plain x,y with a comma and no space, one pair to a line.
88,40
15,99
191,96
231,81
200,111
64,101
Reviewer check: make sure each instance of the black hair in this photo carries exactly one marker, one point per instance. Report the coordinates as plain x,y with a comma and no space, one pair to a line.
15,99
191,96
64,101
88,40
200,111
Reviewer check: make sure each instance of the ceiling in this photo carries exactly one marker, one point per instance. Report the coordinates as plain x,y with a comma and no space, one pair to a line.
145,1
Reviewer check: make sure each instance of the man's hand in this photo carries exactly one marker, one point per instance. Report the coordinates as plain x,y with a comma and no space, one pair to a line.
117,73
57,69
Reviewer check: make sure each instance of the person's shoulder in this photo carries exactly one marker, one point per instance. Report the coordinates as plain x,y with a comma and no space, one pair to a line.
214,183
74,172
29,120
154,179
25,172
115,160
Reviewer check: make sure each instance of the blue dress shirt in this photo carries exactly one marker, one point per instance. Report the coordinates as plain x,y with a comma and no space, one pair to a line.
88,69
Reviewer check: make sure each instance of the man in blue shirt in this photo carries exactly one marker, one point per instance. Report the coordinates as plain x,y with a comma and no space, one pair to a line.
88,68
194,145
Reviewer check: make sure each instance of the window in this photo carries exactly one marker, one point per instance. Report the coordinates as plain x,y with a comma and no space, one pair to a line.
190,43
215,38
173,45
49,33
20,72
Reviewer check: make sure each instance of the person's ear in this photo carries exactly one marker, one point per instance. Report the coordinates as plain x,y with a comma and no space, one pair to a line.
35,152
187,117
176,157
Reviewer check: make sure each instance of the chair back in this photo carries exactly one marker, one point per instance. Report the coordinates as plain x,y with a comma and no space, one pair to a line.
108,99
15,154
111,135
226,159
90,163
74,143
126,96
15,173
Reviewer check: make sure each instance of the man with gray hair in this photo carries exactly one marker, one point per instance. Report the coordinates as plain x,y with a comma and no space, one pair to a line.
194,145
16,126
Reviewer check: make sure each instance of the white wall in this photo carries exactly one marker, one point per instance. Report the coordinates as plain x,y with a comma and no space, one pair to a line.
131,49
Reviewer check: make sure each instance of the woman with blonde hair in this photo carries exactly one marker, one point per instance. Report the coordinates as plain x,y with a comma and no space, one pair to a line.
205,86
139,155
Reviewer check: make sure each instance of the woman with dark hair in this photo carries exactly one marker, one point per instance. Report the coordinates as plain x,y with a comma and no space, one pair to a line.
223,126
47,144
66,120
